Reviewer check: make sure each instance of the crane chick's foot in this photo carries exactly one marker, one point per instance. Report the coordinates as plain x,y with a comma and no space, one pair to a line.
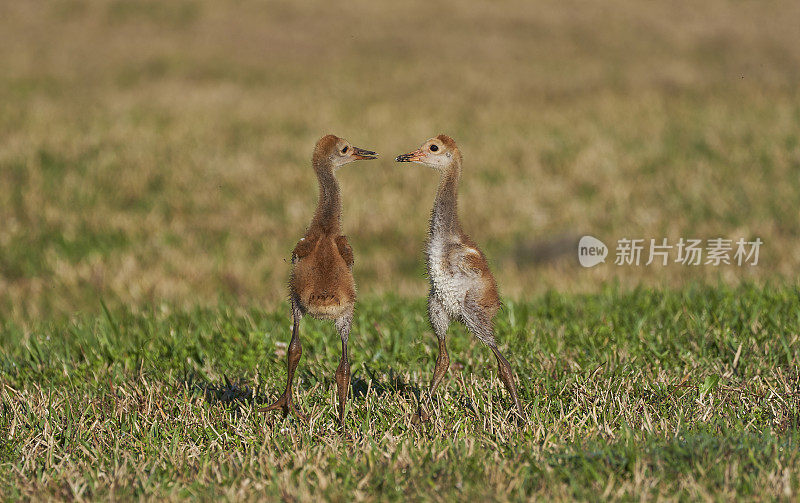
285,403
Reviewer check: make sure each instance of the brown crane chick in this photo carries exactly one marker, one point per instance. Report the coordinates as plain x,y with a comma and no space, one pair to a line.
321,283
462,287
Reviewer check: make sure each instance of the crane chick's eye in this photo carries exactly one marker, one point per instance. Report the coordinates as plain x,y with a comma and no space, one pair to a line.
434,148
344,150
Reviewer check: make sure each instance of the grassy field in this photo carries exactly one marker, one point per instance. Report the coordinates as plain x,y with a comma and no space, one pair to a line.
155,175
160,150
630,395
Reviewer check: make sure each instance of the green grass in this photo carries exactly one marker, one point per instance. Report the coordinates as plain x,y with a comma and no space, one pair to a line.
156,155
689,393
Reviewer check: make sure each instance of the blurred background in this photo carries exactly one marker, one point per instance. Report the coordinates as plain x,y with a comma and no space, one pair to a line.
159,151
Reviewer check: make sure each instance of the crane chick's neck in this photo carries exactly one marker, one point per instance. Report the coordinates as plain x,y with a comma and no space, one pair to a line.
327,216
444,219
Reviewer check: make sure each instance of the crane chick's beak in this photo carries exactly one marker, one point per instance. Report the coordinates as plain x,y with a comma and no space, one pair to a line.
416,155
360,153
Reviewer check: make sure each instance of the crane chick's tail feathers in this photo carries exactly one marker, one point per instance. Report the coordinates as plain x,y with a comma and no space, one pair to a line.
324,305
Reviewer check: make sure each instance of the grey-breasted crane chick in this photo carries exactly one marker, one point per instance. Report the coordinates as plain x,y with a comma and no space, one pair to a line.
462,287
321,282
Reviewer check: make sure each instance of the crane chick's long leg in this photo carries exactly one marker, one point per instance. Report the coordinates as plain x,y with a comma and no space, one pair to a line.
292,358
480,324
439,321
343,325
504,369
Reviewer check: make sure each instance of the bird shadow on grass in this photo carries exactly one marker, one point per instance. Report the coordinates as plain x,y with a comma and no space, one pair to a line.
236,394
393,384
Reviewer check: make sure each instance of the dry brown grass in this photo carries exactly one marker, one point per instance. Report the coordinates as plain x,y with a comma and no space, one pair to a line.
146,437
159,150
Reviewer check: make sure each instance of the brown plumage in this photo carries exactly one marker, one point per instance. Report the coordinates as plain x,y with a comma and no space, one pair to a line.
462,286
321,283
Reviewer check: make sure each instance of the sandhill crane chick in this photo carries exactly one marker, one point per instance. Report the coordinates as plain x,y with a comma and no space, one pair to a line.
321,283
462,287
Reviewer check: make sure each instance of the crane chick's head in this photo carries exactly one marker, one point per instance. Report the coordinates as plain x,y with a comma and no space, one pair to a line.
438,153
334,151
